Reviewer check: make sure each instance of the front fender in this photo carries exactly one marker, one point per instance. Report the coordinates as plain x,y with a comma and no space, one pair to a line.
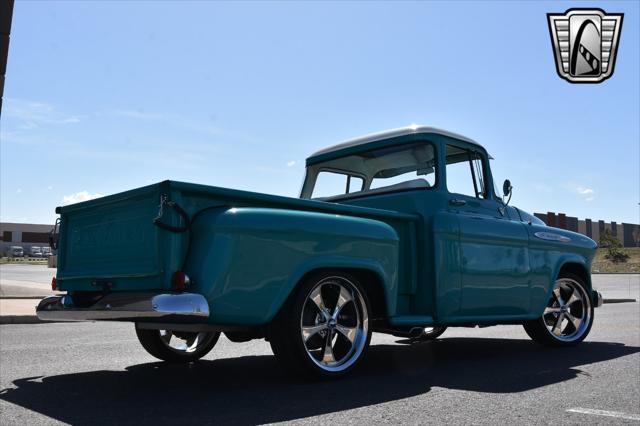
246,261
550,250
542,293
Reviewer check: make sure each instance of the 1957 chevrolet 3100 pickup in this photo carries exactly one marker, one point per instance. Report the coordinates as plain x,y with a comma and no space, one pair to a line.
398,232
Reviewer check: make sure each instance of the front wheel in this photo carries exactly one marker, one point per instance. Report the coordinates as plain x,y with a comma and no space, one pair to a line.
176,346
323,330
568,317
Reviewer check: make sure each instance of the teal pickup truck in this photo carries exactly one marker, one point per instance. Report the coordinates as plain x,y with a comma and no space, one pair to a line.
398,232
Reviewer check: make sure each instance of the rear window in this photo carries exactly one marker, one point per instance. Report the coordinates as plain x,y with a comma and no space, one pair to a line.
396,168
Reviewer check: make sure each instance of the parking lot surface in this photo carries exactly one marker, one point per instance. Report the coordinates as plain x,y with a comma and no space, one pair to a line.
98,373
18,280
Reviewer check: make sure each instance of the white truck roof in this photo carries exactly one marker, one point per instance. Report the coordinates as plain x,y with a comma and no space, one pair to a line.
388,134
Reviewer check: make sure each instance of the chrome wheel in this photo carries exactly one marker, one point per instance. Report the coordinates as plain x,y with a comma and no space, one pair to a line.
334,324
183,342
568,314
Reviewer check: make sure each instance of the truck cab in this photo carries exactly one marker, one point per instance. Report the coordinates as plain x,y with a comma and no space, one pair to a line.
35,251
472,246
15,251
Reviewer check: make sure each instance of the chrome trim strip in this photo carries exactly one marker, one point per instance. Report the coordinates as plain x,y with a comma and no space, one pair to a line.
550,236
127,306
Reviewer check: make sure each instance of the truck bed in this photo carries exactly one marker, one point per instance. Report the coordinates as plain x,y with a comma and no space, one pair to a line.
112,244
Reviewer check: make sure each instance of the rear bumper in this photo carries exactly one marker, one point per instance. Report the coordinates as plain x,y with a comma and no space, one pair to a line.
182,307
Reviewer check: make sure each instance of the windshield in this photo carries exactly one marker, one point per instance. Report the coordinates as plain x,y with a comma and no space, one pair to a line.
396,168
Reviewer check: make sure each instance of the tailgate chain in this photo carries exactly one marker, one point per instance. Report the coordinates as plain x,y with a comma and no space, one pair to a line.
53,235
164,200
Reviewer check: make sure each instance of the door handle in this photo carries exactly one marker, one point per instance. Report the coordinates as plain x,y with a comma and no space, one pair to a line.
457,202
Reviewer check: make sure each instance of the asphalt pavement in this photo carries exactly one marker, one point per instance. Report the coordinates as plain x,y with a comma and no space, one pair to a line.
18,280
98,373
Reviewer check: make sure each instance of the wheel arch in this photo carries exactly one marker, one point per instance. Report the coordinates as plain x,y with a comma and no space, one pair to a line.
371,277
578,269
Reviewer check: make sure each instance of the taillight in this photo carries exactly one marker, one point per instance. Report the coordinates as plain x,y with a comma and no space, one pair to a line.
54,284
180,281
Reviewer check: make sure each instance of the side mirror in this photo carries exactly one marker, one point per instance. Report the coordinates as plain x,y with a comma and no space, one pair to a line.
507,191
506,188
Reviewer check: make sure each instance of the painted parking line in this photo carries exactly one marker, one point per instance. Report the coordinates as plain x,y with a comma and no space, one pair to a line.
605,413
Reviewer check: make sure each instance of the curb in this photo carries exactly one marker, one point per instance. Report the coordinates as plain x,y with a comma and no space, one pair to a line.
21,319
24,297
615,273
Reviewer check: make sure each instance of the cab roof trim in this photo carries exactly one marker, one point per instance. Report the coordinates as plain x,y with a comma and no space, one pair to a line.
389,134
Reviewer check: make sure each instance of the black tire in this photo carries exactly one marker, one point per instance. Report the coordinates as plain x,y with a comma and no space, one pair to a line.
346,323
153,342
542,329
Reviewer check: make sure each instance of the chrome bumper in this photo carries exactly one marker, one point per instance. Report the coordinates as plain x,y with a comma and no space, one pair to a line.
182,307
597,299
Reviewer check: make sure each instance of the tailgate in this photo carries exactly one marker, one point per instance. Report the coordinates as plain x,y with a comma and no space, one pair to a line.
111,242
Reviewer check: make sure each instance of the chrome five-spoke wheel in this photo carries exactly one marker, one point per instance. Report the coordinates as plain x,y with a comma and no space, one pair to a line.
324,329
334,324
569,312
568,316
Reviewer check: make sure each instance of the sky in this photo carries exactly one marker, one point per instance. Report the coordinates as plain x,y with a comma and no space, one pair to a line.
101,97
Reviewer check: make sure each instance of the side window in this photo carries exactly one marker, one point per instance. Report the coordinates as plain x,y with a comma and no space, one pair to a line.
465,172
330,183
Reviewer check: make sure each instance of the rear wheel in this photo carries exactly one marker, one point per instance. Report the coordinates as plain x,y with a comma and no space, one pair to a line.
568,317
177,346
323,330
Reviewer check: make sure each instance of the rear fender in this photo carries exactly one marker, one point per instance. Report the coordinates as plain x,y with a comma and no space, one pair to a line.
247,261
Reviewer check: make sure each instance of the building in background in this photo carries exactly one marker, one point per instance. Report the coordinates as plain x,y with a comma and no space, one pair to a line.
627,233
25,235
